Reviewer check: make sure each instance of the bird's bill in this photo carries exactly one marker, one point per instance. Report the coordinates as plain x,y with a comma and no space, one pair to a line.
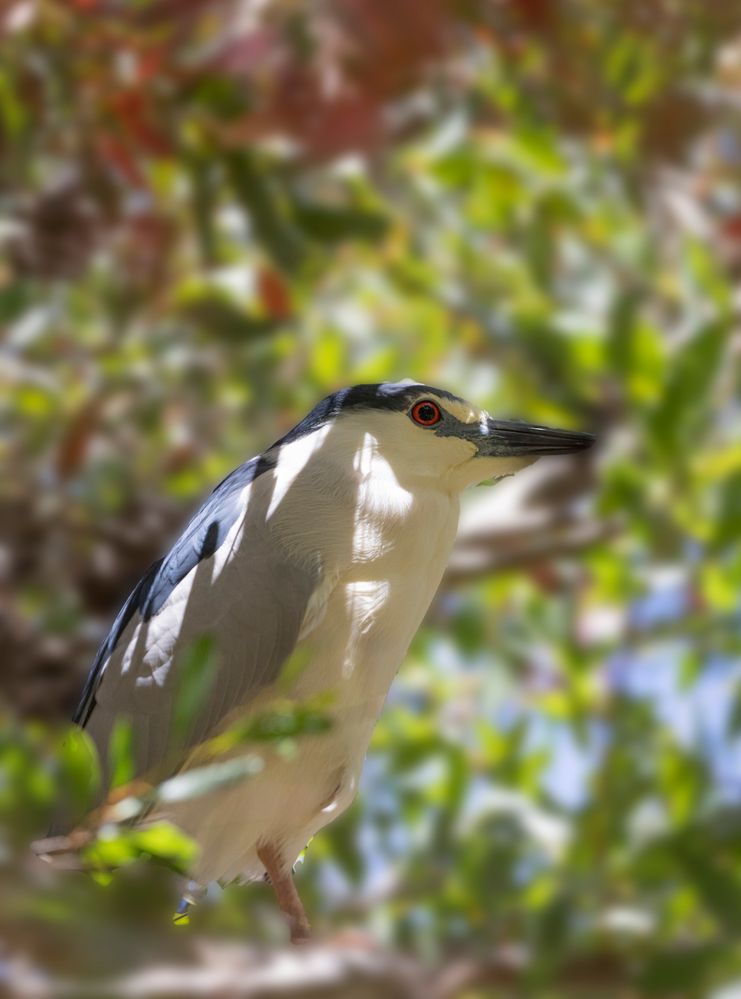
504,438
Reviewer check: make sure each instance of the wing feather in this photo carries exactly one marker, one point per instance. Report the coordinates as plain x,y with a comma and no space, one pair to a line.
225,576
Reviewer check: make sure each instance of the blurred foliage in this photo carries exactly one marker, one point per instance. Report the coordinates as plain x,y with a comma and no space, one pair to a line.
213,213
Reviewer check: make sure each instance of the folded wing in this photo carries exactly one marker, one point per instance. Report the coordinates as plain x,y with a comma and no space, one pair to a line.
224,577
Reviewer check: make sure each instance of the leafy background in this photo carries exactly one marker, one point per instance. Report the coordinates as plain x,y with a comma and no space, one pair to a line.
213,213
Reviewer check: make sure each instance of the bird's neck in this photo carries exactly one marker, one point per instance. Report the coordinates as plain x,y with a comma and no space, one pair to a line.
353,511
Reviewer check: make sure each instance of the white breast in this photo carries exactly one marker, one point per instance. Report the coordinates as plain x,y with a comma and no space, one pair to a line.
384,551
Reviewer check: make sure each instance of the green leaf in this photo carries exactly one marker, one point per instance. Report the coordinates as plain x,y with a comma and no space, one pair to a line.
681,971
332,225
687,402
196,671
203,780
79,769
121,752
718,885
268,212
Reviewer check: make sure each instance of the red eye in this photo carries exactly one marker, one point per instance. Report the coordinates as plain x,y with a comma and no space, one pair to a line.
426,413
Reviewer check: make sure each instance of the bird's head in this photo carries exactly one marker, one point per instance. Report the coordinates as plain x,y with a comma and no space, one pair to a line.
421,431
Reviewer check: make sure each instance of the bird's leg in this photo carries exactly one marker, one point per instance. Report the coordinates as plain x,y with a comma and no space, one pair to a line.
289,902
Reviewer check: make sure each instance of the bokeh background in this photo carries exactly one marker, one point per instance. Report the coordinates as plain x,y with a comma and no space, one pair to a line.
212,214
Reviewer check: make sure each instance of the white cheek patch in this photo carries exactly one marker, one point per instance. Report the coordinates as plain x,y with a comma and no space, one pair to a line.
462,411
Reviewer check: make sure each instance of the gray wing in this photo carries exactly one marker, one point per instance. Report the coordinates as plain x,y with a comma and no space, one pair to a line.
225,577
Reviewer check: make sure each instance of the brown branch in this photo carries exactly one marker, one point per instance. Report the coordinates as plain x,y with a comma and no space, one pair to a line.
502,551
508,968
322,969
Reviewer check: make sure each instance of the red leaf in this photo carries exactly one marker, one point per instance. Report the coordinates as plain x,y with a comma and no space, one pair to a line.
134,115
116,154
74,445
274,293
731,227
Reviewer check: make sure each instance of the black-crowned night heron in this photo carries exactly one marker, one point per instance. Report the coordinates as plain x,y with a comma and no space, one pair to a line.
311,566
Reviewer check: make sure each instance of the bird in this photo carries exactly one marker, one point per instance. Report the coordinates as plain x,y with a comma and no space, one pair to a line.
310,568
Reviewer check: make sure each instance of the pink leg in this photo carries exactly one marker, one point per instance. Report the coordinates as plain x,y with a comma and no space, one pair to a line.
289,902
